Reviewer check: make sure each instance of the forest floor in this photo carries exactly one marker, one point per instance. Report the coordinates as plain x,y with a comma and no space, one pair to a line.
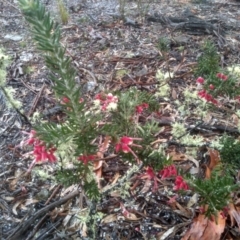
111,52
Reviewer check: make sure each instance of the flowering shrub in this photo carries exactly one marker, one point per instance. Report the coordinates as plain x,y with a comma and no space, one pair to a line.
215,192
166,172
218,85
83,137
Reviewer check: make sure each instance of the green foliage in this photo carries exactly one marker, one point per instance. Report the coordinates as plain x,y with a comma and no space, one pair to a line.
163,44
178,130
47,36
208,62
67,177
155,158
123,121
63,12
230,152
147,132
80,174
6,93
4,61
74,136
91,189
79,129
216,191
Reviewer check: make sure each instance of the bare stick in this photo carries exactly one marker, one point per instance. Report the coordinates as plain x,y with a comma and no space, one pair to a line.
16,235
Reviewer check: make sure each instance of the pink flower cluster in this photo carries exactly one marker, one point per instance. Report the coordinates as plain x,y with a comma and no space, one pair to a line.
66,100
208,97
168,171
41,153
204,94
171,170
139,108
106,99
180,184
222,76
124,145
87,158
200,80
150,174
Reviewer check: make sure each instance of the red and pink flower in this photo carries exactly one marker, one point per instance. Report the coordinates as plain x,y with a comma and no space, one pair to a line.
106,99
125,143
168,171
208,97
65,100
222,76
211,86
180,184
139,108
40,151
200,80
151,175
86,158
42,154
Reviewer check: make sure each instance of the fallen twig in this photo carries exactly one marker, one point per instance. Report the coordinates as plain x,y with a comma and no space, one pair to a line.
19,230
36,101
37,227
53,194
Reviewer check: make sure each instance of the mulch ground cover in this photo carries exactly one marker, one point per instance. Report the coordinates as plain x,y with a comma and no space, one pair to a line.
112,52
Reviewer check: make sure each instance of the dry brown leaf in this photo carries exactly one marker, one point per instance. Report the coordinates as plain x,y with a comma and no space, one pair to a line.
115,178
13,184
128,215
47,91
84,230
205,229
177,156
66,220
184,211
193,200
31,201
234,214
235,119
109,218
98,164
161,140
214,158
69,189
174,94
15,206
146,186
207,172
8,198
116,193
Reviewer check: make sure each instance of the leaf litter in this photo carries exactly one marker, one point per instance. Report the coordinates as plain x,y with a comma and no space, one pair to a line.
116,54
